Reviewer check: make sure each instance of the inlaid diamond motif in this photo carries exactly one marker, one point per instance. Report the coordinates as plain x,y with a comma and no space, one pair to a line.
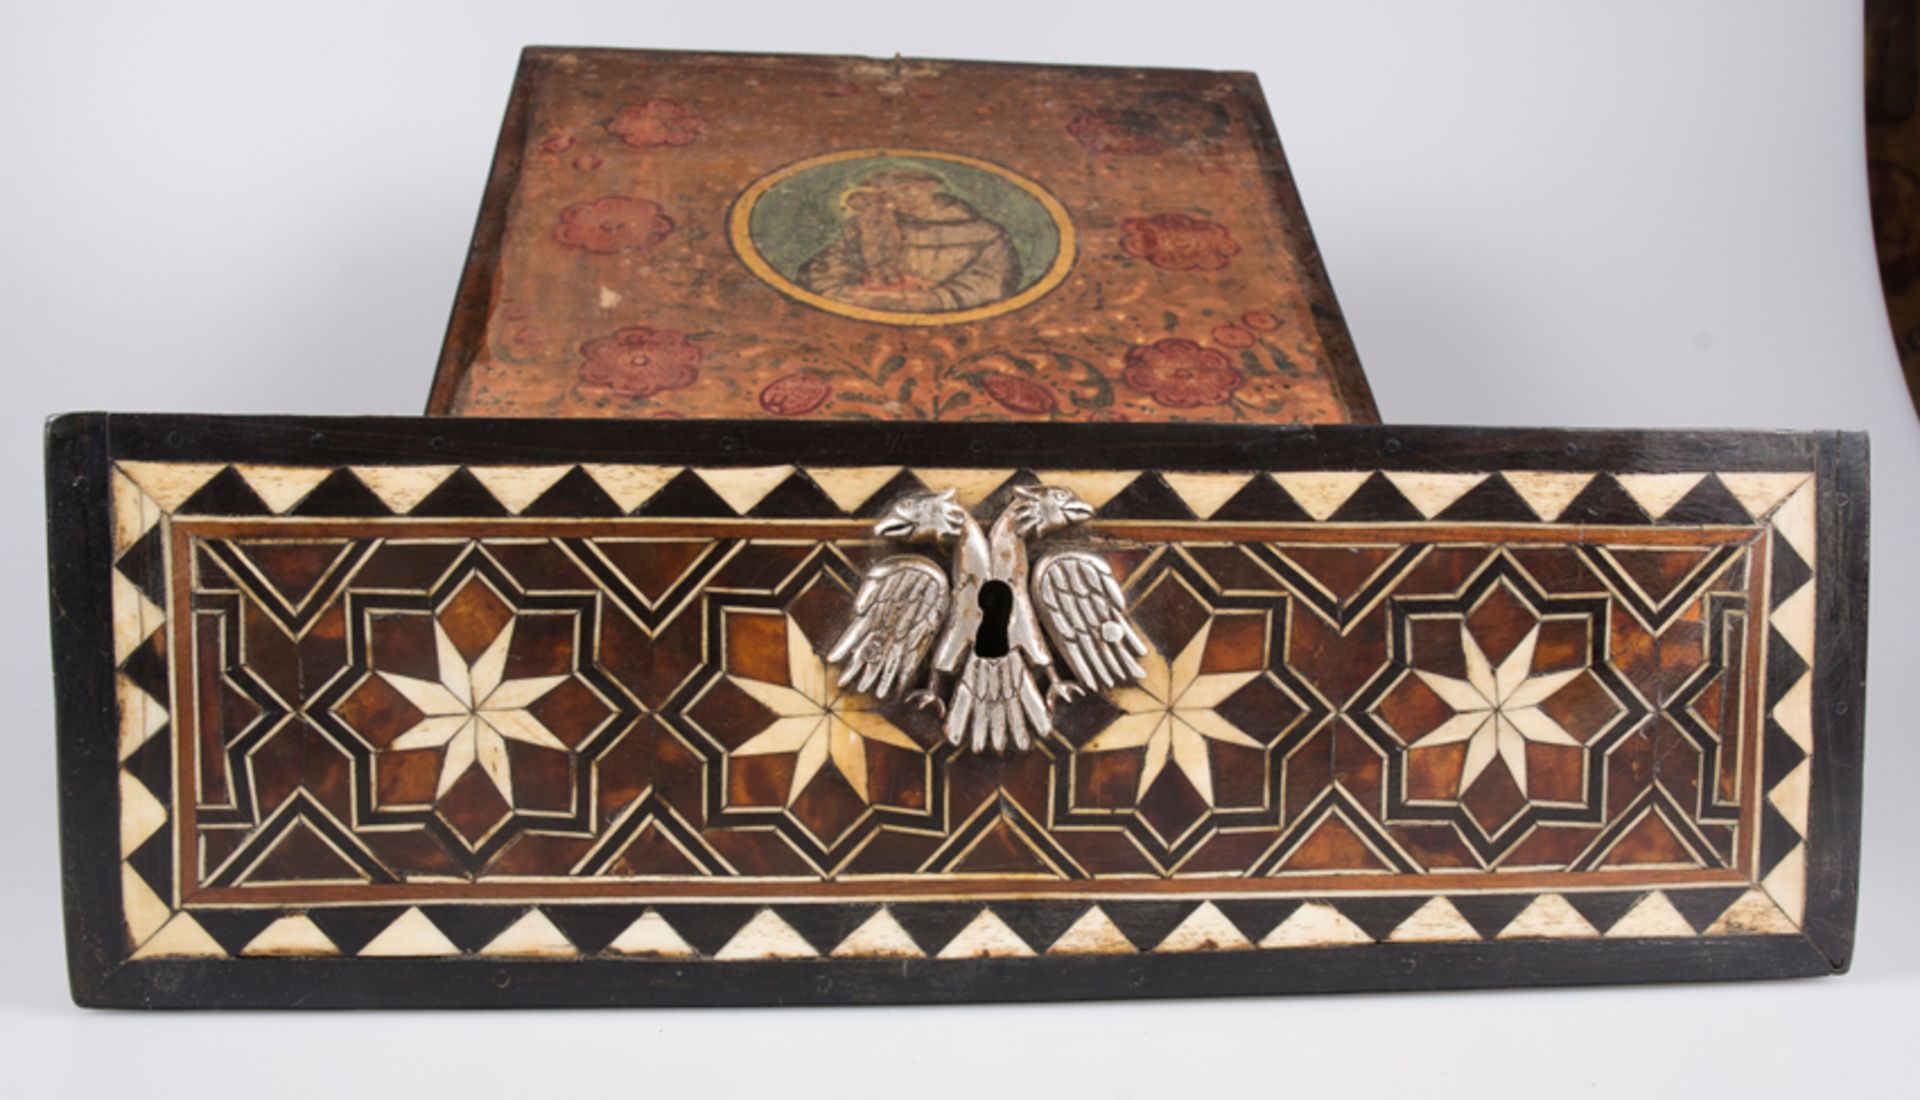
1498,710
817,720
472,711
1172,714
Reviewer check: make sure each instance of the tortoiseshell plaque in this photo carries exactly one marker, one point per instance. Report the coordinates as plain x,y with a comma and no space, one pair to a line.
436,712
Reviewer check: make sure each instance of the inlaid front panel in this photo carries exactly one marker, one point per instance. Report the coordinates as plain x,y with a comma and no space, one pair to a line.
573,710
378,706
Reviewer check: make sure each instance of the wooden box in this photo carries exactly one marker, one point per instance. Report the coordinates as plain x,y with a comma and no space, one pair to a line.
533,712
717,235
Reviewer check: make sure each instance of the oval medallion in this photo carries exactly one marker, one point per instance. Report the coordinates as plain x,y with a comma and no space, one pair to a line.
903,237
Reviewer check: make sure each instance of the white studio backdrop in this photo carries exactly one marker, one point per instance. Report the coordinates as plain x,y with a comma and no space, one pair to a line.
1629,214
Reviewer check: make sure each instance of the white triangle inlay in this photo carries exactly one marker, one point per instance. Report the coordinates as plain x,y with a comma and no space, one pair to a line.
970,486
1794,712
1205,493
766,936
282,487
1321,493
144,911
181,938
1787,884
631,486
1435,922
1656,494
1546,492
1316,924
1093,934
1549,917
134,513
987,936
1796,522
135,617
1755,914
1433,493
651,935
742,487
295,935
171,483
850,486
879,937
1761,493
1205,929
533,934
402,487
1794,619
140,814
141,715
518,486
411,935
1096,487
1651,916
1790,795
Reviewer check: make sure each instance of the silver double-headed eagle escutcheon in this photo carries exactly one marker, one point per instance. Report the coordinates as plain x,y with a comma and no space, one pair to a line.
984,627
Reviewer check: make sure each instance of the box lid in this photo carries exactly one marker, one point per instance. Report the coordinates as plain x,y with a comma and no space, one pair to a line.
716,235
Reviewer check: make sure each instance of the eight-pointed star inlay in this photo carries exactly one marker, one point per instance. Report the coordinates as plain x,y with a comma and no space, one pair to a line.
817,720
1172,713
473,711
1497,711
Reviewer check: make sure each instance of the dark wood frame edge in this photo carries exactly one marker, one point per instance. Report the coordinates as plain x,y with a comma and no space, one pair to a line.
1343,359
80,564
485,983
395,440
1839,699
473,295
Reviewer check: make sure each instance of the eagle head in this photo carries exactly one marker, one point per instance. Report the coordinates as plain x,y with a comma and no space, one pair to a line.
923,516
1039,510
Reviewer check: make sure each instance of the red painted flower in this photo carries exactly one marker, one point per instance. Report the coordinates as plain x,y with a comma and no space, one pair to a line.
557,142
1233,336
1116,130
639,362
1260,320
657,122
1020,395
613,224
527,341
1181,374
1178,242
796,394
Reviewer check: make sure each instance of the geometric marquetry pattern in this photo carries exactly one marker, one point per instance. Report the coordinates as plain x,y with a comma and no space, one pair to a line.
1539,682
965,929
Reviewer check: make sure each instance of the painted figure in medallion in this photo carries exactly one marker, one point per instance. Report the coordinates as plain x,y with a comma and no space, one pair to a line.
984,629
912,245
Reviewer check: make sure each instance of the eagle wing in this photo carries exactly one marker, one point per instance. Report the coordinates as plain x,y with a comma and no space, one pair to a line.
1086,616
899,608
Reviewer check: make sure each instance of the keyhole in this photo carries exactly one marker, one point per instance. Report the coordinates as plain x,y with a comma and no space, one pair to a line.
996,607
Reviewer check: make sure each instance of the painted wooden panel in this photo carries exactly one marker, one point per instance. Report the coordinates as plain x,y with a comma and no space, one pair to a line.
713,235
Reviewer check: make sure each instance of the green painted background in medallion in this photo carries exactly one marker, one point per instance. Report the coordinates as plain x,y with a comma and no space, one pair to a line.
802,214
